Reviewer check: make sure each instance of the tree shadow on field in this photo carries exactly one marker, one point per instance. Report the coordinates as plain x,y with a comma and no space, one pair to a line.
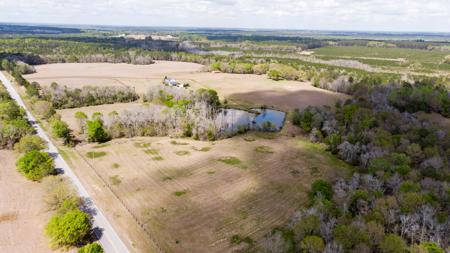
289,99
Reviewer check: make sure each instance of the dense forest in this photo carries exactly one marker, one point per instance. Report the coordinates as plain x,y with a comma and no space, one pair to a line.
398,197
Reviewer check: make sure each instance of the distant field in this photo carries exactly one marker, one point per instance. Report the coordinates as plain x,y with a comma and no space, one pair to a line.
240,89
22,211
387,57
380,52
194,196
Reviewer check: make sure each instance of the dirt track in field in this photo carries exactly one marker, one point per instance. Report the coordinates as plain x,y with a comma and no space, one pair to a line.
237,88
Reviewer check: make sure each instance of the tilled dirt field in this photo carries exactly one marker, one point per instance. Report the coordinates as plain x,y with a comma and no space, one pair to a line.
237,88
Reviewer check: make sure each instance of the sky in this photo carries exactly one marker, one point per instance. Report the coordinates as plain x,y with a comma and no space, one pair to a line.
365,15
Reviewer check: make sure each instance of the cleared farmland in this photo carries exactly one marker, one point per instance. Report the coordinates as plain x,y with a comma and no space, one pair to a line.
237,88
192,196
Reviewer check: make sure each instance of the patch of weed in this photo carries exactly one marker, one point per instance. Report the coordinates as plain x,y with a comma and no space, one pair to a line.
142,145
266,135
157,158
167,178
182,152
180,193
204,149
115,165
174,142
151,151
237,239
264,149
94,154
115,180
231,160
101,145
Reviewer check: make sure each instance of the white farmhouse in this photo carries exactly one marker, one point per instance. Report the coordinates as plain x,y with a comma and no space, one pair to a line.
171,82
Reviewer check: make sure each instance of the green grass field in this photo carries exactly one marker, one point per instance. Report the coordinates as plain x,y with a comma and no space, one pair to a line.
420,60
379,52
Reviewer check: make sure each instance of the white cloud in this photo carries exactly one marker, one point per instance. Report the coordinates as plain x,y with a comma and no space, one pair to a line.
407,15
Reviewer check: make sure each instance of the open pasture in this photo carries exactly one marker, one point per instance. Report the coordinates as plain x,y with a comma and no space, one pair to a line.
193,196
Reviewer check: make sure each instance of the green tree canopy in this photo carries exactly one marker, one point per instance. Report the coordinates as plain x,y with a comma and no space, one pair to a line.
322,188
312,244
30,143
35,165
91,248
393,244
95,131
68,229
60,128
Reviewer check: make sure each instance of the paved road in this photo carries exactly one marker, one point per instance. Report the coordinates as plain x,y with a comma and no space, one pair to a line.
109,239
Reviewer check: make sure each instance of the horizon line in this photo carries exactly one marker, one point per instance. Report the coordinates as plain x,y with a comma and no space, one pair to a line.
71,25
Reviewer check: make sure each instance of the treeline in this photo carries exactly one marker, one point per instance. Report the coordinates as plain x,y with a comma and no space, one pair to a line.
397,200
13,122
34,29
311,43
17,69
61,51
176,112
62,97
303,42
320,75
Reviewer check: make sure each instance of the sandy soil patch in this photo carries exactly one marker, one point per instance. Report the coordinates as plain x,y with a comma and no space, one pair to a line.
187,200
253,89
22,212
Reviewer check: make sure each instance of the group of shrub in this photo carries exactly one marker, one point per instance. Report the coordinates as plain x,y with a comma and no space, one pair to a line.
70,226
13,123
62,97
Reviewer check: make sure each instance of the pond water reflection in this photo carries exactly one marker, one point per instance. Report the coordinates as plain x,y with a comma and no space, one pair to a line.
235,120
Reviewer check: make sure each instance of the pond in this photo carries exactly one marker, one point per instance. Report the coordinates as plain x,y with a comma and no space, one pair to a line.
235,120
